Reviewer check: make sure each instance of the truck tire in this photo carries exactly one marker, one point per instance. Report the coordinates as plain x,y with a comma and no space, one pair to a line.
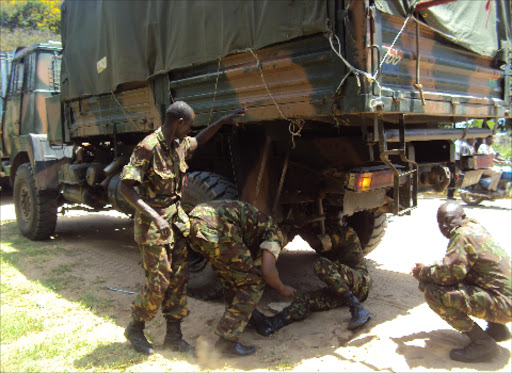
370,227
36,211
470,199
203,187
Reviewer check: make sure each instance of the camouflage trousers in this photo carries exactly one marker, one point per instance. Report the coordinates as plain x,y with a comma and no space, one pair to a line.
340,279
167,274
242,281
456,303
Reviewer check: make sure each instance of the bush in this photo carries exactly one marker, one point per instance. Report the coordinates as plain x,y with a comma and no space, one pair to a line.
10,40
30,14
503,145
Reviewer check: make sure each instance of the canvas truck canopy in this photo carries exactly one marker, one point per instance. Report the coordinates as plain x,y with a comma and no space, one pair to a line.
108,42
482,26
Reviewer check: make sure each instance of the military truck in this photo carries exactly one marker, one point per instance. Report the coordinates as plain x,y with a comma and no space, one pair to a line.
351,106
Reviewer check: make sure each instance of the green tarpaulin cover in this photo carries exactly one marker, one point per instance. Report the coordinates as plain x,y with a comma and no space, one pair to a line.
482,26
110,42
107,43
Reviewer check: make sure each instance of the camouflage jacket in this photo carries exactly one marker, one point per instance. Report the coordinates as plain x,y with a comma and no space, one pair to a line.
472,258
343,246
227,220
159,169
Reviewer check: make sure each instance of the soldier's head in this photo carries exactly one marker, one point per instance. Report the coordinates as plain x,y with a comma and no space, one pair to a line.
489,140
471,141
449,216
180,116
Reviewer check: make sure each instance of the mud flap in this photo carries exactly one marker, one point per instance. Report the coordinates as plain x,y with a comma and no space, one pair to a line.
361,201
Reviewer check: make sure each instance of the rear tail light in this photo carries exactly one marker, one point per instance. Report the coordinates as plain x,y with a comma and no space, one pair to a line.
365,181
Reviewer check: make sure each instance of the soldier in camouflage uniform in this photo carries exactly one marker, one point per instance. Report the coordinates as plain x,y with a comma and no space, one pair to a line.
474,279
343,268
242,245
157,168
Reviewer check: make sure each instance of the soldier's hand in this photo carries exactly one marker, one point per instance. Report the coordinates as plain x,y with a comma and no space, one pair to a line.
287,291
416,270
164,227
233,117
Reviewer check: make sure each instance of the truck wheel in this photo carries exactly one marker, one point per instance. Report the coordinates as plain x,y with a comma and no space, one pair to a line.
203,187
470,199
36,211
370,227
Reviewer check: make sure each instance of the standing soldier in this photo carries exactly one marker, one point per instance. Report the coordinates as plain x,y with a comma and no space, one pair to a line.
343,268
157,168
242,245
474,279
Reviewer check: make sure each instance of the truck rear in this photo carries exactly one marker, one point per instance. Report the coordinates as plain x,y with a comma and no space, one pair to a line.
351,104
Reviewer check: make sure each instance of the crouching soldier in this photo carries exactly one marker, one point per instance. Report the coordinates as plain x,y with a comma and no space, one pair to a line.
242,245
474,279
342,267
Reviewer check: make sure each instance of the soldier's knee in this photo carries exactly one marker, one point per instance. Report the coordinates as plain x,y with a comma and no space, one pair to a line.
433,297
321,265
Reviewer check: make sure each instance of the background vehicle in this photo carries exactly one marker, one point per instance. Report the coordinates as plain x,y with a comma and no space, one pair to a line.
348,107
474,194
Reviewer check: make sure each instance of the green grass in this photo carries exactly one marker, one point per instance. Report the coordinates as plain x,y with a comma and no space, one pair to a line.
16,323
41,331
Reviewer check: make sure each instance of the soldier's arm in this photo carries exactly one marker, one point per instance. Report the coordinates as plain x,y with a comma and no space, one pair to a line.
271,276
133,174
205,135
352,247
128,191
455,266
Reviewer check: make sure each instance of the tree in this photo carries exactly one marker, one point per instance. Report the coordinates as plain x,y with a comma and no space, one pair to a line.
30,14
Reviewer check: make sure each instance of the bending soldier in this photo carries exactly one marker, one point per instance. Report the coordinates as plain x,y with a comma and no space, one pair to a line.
157,167
242,245
343,269
474,279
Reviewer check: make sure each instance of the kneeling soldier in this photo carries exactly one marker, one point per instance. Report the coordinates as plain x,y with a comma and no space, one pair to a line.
242,245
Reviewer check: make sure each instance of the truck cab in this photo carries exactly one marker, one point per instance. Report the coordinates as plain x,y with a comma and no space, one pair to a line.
31,76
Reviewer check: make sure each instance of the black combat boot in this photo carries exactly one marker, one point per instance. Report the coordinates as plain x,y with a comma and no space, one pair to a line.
360,315
233,349
481,348
278,321
498,332
261,323
135,334
174,339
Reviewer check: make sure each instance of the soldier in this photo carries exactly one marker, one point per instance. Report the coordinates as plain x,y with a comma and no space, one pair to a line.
157,167
342,267
474,279
242,245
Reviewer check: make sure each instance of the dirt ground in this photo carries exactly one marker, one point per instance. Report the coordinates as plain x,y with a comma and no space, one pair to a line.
404,335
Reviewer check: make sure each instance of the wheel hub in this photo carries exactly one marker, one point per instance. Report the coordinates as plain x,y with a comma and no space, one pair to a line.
25,204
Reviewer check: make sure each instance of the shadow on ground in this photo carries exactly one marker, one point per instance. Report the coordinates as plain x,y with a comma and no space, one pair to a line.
98,251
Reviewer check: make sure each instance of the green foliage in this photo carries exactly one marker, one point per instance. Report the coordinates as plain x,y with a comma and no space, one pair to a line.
30,14
10,40
503,145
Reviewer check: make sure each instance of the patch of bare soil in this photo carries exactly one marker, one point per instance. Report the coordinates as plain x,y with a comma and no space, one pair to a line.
404,335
